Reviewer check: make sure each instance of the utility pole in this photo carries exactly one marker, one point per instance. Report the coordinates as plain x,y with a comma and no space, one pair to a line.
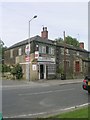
64,54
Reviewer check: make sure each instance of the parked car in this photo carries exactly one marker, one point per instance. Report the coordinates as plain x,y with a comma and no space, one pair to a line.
86,83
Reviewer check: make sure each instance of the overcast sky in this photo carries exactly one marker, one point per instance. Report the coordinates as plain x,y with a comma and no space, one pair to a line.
71,17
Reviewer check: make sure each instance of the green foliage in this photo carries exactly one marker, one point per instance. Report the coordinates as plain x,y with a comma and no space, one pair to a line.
77,113
13,71
72,41
69,40
5,68
17,71
60,70
59,40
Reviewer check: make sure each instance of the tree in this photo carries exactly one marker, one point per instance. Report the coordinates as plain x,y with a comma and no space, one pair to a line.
69,40
2,49
59,40
72,41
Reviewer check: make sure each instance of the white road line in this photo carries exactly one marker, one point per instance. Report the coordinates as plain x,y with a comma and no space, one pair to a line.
20,86
45,113
26,94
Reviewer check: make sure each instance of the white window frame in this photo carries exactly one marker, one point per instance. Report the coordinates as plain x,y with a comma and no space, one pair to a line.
42,49
19,51
52,51
62,51
67,51
11,53
78,53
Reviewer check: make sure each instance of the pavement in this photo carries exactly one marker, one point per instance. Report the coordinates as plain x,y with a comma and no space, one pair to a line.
12,83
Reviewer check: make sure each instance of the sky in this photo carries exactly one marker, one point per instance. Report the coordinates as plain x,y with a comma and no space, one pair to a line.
71,17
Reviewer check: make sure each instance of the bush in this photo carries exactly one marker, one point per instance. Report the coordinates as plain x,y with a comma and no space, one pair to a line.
17,72
5,68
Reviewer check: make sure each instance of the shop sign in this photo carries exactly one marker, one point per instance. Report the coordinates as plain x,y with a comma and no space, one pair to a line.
36,54
27,58
27,49
47,59
34,67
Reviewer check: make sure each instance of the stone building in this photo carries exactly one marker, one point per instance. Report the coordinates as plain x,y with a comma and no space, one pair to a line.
47,58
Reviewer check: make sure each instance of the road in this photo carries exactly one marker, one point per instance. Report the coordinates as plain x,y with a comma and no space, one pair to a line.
41,100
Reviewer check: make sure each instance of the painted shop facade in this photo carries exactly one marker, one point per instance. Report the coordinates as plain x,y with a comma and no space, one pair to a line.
42,58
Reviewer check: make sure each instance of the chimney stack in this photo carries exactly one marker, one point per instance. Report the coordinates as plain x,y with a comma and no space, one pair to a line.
44,33
81,44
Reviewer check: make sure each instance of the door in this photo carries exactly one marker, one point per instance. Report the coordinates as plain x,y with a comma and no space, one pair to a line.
41,71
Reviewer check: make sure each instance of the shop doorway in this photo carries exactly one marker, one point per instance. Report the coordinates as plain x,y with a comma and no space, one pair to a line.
41,71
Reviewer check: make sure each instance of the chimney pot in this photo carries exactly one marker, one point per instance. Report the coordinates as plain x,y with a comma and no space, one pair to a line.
81,44
44,33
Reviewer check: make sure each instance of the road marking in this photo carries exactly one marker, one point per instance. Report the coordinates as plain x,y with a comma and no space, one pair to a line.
26,94
20,86
47,113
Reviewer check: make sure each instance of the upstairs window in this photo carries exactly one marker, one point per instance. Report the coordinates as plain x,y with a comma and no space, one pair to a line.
67,51
42,49
19,51
51,50
89,55
77,53
11,53
62,51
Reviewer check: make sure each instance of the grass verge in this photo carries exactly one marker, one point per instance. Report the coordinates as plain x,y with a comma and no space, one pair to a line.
78,113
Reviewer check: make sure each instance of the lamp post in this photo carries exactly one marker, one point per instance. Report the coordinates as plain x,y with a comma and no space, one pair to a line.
29,43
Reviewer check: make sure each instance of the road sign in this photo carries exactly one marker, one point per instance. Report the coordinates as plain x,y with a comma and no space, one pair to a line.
27,58
27,49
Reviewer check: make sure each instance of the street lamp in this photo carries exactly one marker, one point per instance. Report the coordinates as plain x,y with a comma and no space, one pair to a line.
29,43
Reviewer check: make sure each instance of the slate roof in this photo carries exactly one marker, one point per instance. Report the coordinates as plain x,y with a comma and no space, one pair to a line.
35,38
47,41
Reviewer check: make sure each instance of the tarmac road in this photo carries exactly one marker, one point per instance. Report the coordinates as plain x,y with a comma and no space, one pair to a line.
41,98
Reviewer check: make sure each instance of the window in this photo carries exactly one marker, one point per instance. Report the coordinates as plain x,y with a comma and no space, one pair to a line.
11,53
42,49
47,49
67,63
77,53
20,51
77,66
51,50
89,55
51,69
67,51
62,51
